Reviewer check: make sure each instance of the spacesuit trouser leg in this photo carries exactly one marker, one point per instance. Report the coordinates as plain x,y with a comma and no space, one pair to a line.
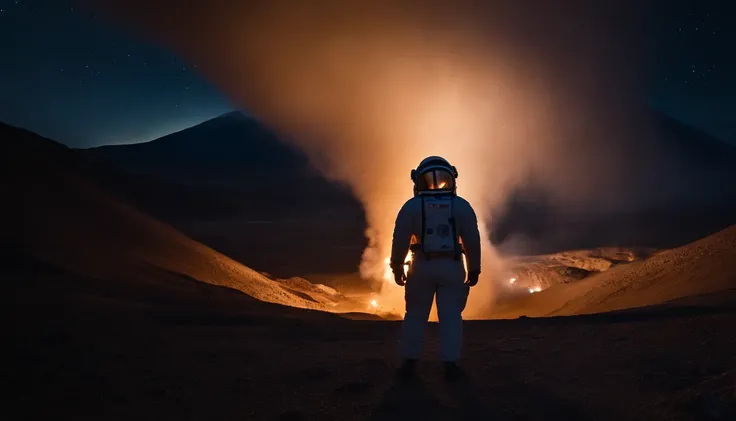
452,296
419,295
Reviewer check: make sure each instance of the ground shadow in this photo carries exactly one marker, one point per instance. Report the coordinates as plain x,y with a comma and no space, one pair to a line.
517,401
471,403
406,400
464,400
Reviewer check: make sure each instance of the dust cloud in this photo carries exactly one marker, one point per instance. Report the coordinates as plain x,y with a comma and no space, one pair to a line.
504,90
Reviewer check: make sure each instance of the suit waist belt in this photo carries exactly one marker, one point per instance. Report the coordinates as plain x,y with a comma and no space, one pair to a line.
416,250
441,255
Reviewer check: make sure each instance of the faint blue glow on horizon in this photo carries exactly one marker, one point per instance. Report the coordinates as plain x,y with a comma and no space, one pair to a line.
166,127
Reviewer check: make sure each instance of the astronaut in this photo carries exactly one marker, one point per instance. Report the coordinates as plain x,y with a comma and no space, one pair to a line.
438,226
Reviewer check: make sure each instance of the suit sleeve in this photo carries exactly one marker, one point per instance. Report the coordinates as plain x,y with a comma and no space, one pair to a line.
403,230
470,235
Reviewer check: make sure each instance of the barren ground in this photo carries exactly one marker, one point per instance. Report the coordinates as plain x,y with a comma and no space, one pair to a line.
82,351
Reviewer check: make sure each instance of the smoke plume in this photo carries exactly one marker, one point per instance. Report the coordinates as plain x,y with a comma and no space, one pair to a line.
367,88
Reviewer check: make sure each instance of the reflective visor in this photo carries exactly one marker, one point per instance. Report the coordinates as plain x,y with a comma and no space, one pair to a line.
435,180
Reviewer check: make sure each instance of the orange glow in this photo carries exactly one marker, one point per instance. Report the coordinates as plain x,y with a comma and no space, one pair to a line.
388,274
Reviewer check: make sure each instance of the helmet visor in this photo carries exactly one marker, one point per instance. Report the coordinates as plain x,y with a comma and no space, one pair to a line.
436,180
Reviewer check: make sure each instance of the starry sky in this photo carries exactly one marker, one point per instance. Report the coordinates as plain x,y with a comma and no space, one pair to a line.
695,58
68,76
73,77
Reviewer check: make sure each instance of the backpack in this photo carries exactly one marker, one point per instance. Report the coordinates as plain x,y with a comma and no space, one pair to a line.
439,233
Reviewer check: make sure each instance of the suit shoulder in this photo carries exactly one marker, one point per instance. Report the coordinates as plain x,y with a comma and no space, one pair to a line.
414,201
462,202
411,205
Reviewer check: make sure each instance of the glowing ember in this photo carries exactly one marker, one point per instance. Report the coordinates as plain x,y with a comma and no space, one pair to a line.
531,290
388,274
374,303
512,281
537,289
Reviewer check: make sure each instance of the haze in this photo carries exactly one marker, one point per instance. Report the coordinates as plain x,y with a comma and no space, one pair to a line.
508,92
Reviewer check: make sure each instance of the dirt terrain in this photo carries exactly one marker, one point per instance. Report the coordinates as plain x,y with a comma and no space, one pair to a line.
82,350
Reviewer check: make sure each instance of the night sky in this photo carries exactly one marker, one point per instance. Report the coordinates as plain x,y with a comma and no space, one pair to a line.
67,75
72,77
695,54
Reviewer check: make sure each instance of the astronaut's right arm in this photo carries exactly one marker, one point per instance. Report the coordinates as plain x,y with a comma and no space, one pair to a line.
403,230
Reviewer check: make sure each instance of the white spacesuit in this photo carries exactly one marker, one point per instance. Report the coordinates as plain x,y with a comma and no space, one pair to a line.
438,226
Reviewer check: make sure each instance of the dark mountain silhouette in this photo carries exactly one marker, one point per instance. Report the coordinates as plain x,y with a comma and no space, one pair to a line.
707,165
221,148
232,153
692,194
232,183
691,145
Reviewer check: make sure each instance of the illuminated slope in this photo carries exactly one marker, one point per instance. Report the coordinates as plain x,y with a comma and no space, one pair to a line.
704,267
57,215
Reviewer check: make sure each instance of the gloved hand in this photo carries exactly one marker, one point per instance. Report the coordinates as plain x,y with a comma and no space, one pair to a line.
399,276
472,278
